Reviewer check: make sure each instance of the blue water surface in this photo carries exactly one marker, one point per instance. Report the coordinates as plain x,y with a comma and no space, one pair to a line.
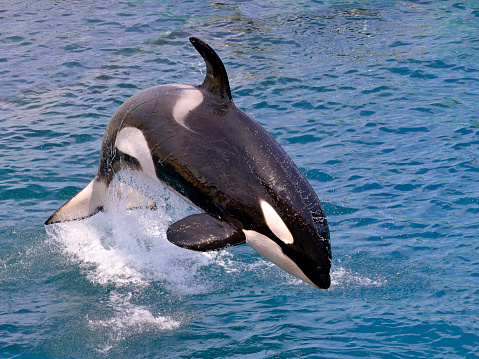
377,103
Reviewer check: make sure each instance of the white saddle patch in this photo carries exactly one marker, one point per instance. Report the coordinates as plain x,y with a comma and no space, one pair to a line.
275,223
132,142
189,99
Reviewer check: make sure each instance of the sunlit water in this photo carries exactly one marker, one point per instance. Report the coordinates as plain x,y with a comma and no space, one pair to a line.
377,104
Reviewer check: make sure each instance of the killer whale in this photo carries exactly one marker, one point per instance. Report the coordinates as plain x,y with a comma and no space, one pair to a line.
197,142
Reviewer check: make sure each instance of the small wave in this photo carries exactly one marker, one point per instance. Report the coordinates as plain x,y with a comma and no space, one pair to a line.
130,319
341,276
131,316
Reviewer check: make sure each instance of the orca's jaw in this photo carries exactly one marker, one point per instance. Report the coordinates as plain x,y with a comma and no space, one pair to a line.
270,250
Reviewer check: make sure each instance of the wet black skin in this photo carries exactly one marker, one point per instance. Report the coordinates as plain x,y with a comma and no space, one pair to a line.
224,163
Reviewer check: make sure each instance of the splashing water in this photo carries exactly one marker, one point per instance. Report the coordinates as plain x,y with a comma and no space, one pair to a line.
128,319
127,251
129,247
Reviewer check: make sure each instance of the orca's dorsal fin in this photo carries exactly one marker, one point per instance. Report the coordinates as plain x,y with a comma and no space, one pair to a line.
216,80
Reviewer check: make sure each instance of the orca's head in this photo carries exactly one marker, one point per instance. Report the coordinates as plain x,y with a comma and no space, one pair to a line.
296,242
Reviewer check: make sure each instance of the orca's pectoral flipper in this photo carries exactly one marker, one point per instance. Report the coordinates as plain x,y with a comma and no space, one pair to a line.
216,79
85,204
202,232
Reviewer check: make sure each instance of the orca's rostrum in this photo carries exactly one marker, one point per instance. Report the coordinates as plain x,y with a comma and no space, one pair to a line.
197,142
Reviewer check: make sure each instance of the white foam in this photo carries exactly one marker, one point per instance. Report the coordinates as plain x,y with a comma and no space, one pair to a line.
231,265
83,242
342,276
133,317
129,247
129,319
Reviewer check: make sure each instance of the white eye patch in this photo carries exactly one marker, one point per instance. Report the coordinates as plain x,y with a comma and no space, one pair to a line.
275,223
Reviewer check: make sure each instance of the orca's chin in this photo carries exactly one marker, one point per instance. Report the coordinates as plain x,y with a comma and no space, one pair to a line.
322,280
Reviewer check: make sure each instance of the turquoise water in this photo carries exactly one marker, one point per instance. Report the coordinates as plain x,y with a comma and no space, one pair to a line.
376,102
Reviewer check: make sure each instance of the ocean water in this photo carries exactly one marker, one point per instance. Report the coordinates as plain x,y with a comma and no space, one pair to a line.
377,103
